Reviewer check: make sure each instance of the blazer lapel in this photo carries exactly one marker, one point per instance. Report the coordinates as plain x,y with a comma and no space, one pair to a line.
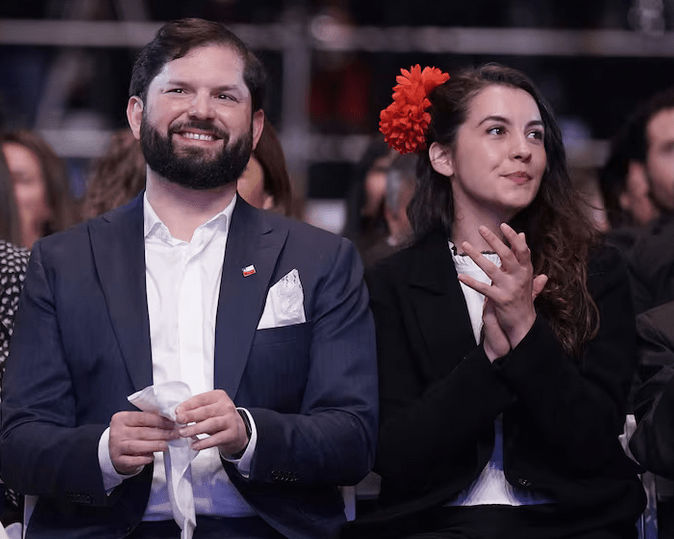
117,241
439,305
251,242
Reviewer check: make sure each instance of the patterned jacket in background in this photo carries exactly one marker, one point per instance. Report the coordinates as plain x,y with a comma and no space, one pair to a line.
13,261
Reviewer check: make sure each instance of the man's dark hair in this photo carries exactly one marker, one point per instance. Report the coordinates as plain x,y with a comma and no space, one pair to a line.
629,144
644,114
177,38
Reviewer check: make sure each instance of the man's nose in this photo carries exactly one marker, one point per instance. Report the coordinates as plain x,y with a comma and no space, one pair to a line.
201,106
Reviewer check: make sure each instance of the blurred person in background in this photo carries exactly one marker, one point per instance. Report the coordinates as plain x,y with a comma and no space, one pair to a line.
13,262
400,178
117,177
624,188
10,226
265,183
653,441
651,172
41,185
365,222
637,181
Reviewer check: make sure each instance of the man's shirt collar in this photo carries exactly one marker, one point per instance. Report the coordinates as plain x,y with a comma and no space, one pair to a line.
154,227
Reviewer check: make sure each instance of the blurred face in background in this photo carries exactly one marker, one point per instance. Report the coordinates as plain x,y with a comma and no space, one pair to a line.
660,158
375,187
30,190
636,199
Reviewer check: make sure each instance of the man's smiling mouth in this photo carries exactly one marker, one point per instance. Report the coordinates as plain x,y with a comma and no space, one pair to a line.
198,136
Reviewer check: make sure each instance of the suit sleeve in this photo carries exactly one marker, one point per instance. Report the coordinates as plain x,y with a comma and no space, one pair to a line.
653,441
43,451
331,440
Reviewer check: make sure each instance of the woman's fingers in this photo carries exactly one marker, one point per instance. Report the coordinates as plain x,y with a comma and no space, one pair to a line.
494,340
485,265
483,288
538,285
518,244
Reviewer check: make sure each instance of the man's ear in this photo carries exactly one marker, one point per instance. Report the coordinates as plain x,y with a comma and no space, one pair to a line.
134,114
258,126
441,159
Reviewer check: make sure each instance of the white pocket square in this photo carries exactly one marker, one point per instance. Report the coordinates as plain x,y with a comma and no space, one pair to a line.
285,303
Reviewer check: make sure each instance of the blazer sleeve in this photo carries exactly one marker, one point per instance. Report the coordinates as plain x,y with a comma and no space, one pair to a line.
653,441
331,440
578,405
42,451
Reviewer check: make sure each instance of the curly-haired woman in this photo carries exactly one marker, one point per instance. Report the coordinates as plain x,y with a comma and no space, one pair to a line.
505,333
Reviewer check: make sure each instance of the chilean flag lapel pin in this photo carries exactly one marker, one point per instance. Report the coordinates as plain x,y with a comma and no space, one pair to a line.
248,270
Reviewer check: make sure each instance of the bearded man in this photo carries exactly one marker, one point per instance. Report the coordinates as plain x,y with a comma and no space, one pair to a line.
243,339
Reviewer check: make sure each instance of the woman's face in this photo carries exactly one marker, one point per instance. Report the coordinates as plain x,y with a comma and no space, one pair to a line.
30,189
498,159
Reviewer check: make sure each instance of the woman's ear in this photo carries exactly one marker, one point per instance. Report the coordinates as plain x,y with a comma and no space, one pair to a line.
441,159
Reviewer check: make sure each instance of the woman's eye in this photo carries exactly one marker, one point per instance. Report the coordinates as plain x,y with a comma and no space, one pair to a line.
496,130
537,134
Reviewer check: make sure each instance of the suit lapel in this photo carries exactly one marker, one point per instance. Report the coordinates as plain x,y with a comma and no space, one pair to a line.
439,305
251,241
117,241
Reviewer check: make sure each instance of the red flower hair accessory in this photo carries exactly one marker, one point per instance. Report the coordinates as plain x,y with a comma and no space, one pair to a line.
404,122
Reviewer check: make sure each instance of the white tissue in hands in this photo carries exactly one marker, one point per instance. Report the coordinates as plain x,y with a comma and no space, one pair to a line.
162,399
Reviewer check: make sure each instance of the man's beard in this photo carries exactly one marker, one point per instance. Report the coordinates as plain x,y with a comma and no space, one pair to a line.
192,167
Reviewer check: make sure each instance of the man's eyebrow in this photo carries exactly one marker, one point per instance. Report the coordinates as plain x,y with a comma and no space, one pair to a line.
222,88
228,88
176,82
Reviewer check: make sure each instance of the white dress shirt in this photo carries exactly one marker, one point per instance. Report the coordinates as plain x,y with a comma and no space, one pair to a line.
183,290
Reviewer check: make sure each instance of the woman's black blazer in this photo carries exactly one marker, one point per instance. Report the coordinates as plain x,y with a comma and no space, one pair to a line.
440,395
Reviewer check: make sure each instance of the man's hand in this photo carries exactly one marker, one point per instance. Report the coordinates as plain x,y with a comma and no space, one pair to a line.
213,413
135,437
